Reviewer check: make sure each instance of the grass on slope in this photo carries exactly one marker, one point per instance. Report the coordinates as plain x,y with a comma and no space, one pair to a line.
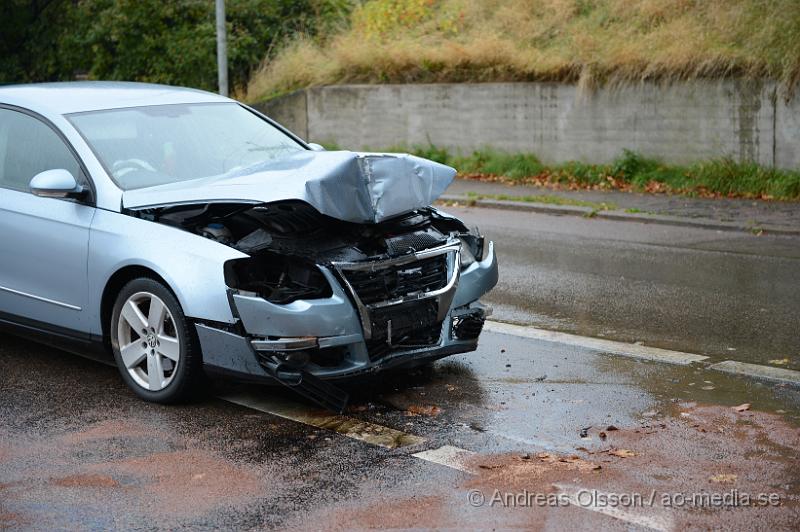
588,41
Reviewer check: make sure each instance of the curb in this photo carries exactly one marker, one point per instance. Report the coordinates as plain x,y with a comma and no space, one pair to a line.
617,216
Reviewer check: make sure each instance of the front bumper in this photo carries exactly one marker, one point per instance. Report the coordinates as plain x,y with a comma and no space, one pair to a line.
341,325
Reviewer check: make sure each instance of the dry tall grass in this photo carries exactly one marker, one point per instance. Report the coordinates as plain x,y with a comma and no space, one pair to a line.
588,41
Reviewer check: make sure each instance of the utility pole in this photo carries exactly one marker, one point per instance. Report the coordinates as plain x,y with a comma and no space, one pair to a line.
222,49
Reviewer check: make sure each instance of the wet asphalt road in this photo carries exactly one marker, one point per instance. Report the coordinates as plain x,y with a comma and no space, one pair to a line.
79,451
724,294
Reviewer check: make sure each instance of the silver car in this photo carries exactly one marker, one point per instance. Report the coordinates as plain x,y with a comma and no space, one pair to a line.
184,232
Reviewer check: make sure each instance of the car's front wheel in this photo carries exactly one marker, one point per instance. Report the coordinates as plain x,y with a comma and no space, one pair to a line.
154,346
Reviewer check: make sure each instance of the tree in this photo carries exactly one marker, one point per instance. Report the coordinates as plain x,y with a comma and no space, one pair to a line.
148,40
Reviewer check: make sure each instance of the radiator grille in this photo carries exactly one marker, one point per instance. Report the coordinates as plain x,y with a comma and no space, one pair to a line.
394,282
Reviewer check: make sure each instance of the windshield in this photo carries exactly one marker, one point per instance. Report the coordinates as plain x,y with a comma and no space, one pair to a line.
160,144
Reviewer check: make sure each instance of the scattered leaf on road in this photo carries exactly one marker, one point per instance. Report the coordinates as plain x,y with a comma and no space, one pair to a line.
724,478
742,407
573,461
421,410
622,453
780,361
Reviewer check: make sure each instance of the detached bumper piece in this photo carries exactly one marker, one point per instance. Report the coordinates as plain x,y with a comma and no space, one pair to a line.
312,388
284,360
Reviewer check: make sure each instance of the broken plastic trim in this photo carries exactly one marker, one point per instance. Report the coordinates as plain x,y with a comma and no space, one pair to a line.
312,388
285,344
443,296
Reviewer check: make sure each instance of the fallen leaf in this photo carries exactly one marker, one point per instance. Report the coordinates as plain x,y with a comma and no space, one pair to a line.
707,388
742,407
780,361
622,453
724,478
602,435
420,410
611,428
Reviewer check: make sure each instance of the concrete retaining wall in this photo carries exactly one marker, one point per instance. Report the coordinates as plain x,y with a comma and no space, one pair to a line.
680,122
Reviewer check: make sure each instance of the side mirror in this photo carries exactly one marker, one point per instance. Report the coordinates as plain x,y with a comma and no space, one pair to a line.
316,147
57,183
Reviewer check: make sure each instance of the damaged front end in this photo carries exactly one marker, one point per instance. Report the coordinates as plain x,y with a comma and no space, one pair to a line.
319,298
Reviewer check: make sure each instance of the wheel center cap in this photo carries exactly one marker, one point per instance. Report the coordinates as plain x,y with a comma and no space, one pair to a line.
151,340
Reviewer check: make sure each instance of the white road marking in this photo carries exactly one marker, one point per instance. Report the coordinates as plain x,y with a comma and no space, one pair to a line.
758,371
344,425
606,346
449,456
592,500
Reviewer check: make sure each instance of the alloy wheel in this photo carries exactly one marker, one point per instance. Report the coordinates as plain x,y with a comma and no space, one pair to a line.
148,342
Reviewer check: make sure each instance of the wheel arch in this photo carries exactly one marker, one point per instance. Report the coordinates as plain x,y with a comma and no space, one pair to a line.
113,287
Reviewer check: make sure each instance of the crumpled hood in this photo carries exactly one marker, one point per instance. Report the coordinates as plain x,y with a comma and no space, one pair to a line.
349,186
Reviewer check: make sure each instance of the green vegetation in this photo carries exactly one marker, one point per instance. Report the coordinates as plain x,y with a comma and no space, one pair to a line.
170,42
630,171
549,200
585,41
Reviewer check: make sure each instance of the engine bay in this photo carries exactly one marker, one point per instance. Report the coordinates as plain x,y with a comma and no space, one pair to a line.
286,240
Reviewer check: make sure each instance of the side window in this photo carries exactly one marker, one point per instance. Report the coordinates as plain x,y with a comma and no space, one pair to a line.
29,146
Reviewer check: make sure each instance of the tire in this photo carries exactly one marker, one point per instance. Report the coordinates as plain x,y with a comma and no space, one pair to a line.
159,359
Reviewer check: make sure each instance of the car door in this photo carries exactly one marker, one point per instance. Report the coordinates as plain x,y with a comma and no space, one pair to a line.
43,241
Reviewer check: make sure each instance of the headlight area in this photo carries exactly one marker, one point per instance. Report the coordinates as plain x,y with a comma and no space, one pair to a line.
471,248
276,278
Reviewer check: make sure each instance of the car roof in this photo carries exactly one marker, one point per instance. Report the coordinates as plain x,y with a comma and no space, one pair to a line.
81,96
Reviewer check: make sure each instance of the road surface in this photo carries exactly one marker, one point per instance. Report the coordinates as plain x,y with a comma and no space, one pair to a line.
531,433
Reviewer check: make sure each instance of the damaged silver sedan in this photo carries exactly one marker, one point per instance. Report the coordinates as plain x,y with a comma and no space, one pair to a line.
184,232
